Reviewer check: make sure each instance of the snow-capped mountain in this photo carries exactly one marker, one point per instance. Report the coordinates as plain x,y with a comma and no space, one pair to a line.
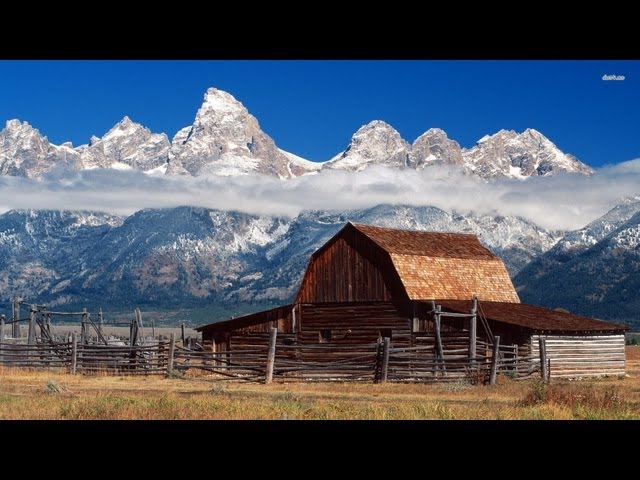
505,154
510,154
24,152
128,145
225,139
592,271
193,257
376,143
434,147
574,243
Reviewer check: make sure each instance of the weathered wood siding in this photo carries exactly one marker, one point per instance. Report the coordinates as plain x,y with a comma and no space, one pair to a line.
352,323
261,322
583,356
350,269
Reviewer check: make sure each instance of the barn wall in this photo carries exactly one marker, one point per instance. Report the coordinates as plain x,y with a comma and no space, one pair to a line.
352,268
583,356
355,323
258,323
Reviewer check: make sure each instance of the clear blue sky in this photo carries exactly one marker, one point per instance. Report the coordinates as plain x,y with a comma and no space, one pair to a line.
312,108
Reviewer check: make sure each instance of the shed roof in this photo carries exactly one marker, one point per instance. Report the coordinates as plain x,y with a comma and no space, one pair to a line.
247,320
534,318
443,265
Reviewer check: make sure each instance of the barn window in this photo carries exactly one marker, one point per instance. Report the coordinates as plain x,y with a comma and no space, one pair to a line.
386,333
325,336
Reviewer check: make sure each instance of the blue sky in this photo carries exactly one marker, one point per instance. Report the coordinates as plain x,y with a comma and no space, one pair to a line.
312,108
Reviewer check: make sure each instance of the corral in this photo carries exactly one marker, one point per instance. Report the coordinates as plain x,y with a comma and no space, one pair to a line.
375,304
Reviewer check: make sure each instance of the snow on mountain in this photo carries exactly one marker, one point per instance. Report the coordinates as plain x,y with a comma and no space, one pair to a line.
593,271
376,143
195,256
505,154
575,243
595,231
519,155
434,147
128,145
25,152
225,139
297,162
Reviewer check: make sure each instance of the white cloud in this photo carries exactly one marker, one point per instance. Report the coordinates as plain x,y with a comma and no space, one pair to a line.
560,202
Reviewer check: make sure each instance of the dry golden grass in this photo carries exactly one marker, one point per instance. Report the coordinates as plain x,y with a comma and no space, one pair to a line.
37,394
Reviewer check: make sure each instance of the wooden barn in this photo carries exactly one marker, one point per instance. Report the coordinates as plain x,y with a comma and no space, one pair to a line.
440,290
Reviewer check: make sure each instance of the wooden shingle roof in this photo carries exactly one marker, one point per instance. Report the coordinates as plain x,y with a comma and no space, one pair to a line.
429,244
443,265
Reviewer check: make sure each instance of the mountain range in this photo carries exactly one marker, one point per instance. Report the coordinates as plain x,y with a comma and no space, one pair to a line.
193,255
226,140
593,270
189,257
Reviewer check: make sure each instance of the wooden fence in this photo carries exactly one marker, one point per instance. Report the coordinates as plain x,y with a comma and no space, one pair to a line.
75,357
372,362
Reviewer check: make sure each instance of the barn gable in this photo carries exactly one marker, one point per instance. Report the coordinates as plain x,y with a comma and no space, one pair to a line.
350,267
362,262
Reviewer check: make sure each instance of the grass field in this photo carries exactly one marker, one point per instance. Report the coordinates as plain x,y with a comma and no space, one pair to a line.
36,394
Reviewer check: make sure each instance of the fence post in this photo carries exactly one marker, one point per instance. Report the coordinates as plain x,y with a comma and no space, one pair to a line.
494,360
182,326
544,373
472,333
83,327
31,339
74,352
385,359
1,327
439,350
172,349
100,323
15,317
271,355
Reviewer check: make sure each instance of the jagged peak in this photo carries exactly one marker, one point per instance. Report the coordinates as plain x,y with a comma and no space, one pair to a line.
503,132
533,132
126,121
376,125
432,132
435,131
14,123
125,124
220,101
512,135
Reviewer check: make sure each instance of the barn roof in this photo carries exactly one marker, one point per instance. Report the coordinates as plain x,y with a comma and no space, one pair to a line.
534,318
428,244
443,265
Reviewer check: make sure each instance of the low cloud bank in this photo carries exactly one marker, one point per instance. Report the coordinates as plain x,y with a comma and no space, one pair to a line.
559,202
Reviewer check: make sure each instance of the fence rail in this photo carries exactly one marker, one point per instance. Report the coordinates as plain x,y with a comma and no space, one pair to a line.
374,362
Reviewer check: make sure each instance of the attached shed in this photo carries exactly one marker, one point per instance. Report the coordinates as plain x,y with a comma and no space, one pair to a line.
576,346
368,282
